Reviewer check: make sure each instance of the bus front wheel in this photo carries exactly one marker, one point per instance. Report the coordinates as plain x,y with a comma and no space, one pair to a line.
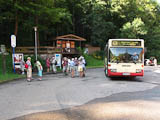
106,72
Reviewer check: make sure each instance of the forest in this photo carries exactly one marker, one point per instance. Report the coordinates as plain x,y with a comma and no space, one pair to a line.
95,20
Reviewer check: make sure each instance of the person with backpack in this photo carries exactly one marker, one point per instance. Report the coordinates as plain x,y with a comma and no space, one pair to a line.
28,67
40,69
54,63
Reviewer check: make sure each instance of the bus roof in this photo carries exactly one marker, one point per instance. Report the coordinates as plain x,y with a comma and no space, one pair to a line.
128,39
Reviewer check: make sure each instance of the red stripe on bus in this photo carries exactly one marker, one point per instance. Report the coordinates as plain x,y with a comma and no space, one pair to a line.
121,73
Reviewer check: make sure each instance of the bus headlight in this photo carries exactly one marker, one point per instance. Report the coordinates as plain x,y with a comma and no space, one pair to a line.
113,70
138,70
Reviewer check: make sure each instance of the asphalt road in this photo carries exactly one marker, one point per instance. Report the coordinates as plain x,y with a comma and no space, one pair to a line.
95,97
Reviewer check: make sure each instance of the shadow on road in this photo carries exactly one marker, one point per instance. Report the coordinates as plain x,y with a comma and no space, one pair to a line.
121,106
128,79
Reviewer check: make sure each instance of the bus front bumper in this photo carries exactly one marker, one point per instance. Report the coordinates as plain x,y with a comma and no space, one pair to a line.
112,74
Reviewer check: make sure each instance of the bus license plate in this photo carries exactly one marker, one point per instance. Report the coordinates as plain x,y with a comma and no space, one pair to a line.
126,74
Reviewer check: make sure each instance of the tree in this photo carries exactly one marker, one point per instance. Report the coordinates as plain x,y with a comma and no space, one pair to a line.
134,29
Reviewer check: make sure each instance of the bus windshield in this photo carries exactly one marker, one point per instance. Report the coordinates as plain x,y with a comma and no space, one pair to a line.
125,55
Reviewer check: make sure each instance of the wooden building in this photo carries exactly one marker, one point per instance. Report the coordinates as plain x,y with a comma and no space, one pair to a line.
68,44
65,45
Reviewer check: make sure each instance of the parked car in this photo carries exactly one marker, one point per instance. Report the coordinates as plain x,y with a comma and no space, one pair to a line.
147,62
153,61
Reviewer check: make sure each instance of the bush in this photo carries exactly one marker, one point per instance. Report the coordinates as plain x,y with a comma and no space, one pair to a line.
91,61
33,58
9,66
98,55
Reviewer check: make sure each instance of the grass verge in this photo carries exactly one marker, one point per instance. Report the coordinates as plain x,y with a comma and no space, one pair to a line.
92,62
9,77
95,66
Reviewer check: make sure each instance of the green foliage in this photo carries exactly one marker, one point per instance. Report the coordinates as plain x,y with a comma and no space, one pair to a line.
95,20
33,59
9,66
92,62
98,55
10,76
134,29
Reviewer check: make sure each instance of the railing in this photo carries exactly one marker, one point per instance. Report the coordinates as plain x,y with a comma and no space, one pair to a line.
41,50
45,50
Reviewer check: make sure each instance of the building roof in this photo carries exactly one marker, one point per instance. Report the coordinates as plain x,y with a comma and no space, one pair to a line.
70,37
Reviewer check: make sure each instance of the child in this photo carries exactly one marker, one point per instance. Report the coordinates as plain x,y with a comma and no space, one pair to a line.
40,69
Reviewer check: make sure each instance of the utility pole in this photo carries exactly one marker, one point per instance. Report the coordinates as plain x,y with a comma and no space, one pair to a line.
35,29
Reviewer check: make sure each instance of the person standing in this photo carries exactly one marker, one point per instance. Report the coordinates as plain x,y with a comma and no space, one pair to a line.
68,68
48,64
84,66
155,62
22,63
29,69
65,65
40,69
72,67
80,67
76,66
54,63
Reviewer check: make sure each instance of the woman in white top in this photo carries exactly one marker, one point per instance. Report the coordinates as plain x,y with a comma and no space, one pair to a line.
81,67
29,69
54,63
40,69
72,67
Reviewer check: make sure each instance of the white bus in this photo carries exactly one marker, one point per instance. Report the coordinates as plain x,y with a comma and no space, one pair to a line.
124,57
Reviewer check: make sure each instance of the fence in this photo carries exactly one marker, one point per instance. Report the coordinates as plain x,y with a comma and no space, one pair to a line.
46,50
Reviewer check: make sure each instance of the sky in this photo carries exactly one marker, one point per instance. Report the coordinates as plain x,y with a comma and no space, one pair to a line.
158,1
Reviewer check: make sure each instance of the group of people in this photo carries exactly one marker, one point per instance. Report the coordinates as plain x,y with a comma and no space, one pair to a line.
28,67
75,66
51,64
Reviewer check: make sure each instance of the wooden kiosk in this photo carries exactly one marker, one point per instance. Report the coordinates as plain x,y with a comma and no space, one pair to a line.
68,44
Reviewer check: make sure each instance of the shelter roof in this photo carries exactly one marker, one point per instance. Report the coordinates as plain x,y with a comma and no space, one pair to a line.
70,37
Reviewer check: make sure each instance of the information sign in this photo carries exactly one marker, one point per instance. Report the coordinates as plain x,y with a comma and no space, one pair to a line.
58,59
13,41
126,43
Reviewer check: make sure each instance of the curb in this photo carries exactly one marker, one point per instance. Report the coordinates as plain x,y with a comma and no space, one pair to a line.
35,75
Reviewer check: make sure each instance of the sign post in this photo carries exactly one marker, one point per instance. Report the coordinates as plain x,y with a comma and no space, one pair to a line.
13,44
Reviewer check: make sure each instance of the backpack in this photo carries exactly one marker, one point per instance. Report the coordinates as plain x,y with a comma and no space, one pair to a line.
55,62
26,65
76,62
85,63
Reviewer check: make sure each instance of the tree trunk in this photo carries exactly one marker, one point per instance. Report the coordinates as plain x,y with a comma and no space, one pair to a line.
16,21
16,25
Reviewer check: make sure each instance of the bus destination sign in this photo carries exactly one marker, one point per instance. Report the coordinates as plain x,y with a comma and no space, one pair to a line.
126,43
